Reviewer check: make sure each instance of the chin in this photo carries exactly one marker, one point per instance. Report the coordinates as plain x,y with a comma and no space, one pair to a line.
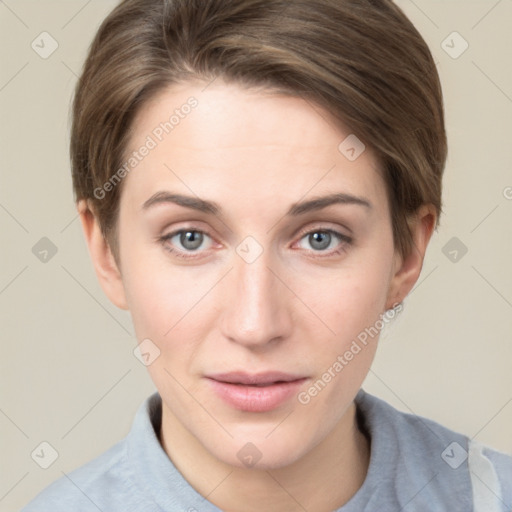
259,451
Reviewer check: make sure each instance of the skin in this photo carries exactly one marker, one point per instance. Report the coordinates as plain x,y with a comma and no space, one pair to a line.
256,153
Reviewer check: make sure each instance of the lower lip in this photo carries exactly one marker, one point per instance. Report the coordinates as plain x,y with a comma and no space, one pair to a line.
256,398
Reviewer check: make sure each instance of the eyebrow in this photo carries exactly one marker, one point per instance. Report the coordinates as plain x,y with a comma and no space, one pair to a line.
296,209
193,203
323,202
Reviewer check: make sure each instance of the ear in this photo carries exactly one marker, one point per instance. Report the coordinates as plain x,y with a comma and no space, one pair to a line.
102,258
407,269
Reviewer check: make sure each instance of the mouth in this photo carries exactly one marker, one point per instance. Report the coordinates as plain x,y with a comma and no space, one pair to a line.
261,392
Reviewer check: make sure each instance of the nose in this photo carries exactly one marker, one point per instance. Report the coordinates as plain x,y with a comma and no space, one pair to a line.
257,310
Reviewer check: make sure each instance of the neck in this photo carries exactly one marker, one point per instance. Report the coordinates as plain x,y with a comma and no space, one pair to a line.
323,480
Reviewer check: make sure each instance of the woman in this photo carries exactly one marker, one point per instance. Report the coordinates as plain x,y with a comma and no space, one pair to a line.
258,182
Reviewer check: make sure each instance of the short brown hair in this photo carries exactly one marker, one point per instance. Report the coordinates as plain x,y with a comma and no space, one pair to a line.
361,60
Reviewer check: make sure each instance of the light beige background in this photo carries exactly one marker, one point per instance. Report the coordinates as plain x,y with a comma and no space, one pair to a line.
68,373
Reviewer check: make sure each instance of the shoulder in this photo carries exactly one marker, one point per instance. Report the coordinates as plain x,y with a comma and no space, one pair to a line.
429,463
109,481
86,488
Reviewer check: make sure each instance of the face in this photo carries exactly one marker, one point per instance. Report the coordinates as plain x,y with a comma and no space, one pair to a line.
253,254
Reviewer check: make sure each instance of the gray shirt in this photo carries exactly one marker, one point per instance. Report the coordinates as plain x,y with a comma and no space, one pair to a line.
415,465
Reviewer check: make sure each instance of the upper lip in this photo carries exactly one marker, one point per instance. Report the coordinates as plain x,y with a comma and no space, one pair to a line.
255,378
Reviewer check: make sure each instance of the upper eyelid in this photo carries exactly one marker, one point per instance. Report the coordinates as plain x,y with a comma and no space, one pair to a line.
301,232
341,237
172,234
320,227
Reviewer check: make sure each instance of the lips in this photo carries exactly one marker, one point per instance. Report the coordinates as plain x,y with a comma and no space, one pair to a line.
259,392
263,379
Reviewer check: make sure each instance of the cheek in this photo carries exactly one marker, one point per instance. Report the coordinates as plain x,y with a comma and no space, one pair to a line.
351,299
161,301
351,305
170,306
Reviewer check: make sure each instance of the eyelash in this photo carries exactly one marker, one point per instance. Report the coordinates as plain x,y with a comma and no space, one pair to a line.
344,241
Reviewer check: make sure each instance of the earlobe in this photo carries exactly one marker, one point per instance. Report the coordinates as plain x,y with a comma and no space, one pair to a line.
107,271
408,268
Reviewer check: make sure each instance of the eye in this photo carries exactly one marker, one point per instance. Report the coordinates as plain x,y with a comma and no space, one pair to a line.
325,241
186,241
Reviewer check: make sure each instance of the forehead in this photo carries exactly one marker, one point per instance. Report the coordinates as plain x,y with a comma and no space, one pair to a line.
222,140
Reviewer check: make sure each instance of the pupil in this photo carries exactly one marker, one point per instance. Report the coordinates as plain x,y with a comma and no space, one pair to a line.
191,240
320,240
